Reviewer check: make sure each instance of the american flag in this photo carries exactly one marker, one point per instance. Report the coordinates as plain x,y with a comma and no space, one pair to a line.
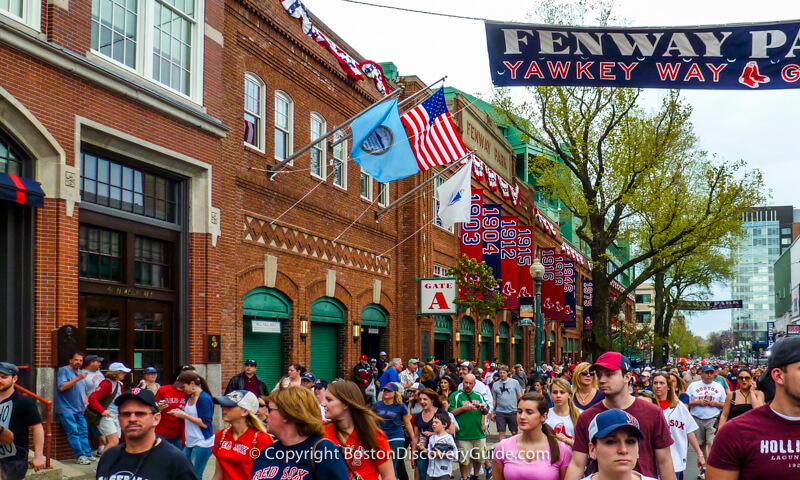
435,140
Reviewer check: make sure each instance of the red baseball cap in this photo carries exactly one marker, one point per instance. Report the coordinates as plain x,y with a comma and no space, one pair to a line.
612,361
573,367
485,362
364,357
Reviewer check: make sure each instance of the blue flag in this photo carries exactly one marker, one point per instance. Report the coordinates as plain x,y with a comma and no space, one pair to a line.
380,144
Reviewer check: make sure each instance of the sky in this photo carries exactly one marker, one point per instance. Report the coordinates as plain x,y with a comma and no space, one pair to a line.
756,126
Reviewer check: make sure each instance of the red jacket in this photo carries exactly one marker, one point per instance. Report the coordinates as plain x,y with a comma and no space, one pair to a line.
105,389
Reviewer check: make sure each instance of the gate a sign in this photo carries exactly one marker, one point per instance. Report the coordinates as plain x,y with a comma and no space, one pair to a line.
437,296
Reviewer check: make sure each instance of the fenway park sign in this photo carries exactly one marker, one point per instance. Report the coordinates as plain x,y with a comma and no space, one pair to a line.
743,57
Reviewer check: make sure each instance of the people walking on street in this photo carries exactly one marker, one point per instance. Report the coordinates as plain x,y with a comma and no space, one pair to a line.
197,416
506,392
354,427
294,377
362,376
431,405
248,380
762,444
263,414
584,385
677,383
69,405
690,376
19,418
520,376
170,398
563,415
538,385
144,455
392,374
427,378
301,451
706,399
535,452
470,409
743,399
382,364
101,402
396,420
91,365
237,446
615,442
410,375
681,424
148,380
442,450
613,374
446,386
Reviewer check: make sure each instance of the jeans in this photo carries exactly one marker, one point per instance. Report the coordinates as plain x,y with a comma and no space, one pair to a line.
397,447
77,433
199,457
422,466
176,442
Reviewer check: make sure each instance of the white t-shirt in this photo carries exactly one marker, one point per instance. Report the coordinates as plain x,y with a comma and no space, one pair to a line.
438,467
562,425
712,391
193,433
681,424
92,380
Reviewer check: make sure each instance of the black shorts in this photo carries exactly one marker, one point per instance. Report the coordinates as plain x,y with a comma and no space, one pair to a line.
504,419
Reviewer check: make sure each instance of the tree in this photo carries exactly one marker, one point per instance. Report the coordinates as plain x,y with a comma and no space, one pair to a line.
687,343
478,289
718,342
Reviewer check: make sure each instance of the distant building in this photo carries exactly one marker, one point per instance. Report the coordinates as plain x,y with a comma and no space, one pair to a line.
787,289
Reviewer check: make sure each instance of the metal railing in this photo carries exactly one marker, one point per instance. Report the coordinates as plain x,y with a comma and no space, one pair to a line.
48,422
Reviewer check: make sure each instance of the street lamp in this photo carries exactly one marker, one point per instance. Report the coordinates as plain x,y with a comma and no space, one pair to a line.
537,273
621,322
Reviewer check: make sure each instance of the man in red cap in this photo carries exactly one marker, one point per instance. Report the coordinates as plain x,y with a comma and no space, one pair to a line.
613,375
362,375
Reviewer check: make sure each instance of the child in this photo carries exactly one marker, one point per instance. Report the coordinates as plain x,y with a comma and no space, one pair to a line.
442,449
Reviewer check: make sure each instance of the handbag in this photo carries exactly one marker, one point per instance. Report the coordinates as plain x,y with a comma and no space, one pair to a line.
93,417
370,390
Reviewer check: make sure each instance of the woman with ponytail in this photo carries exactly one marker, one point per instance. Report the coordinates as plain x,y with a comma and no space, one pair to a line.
564,415
536,451
354,428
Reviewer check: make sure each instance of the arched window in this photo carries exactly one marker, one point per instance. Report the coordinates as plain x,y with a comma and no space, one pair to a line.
254,89
318,128
284,125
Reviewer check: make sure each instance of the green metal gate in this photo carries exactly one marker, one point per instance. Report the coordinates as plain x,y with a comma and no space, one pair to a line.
265,311
467,334
327,319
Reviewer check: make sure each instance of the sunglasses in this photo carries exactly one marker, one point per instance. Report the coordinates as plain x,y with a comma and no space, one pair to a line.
587,374
262,405
744,378
270,409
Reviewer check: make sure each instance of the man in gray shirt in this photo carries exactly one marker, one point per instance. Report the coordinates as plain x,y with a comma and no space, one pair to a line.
506,392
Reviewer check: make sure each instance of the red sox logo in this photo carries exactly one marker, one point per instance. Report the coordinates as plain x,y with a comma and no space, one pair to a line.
561,429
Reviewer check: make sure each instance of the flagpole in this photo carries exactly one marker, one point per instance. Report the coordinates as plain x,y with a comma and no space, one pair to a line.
402,102
418,187
274,169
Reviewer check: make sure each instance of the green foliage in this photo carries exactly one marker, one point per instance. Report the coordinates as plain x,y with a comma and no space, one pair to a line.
688,345
478,289
718,342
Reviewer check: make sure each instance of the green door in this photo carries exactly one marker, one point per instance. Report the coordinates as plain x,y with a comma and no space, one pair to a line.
466,350
501,352
484,351
265,311
518,345
325,350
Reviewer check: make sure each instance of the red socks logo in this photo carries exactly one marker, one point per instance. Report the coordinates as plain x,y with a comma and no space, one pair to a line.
751,77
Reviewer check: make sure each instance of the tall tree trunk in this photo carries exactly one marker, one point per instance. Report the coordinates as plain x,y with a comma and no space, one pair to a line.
660,327
601,309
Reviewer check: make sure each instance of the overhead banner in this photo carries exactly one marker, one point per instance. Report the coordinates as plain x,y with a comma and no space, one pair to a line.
471,238
525,260
588,294
760,56
491,237
711,305
508,260
569,293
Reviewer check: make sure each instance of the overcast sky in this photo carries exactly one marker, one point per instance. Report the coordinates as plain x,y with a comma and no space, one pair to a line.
760,127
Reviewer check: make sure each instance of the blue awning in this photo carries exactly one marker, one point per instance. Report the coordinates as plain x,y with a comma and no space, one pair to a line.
21,190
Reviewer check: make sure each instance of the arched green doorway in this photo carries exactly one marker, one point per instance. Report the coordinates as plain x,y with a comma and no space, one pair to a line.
374,319
518,346
442,326
266,311
467,334
552,347
502,347
486,340
327,320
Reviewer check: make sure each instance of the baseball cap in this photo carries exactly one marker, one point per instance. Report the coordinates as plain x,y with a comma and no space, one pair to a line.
142,394
118,367
239,398
571,367
186,378
320,384
493,365
364,357
92,358
431,357
149,370
466,364
250,362
9,368
605,423
612,361
708,368
391,387
486,362
413,360
382,354
373,360
646,373
309,377
784,352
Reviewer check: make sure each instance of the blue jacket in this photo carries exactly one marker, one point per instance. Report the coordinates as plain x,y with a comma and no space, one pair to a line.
205,410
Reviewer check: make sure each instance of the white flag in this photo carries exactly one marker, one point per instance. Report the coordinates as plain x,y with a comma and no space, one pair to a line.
455,197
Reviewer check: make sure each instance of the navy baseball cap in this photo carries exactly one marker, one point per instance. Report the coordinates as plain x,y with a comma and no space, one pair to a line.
612,361
605,423
320,384
92,358
150,370
142,394
708,368
309,377
250,362
391,387
9,368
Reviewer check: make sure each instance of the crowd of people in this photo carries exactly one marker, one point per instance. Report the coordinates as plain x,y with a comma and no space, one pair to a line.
591,421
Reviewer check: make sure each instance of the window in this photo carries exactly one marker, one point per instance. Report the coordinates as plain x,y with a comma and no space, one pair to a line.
27,12
642,317
786,241
383,194
99,254
152,262
113,185
439,270
10,160
366,185
284,118
786,231
254,111
437,182
339,162
318,129
644,298
158,39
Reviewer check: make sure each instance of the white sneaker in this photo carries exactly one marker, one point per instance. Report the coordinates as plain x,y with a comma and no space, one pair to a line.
100,450
83,461
94,458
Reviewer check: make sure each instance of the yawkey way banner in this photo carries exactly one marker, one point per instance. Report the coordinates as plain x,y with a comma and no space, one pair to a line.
744,56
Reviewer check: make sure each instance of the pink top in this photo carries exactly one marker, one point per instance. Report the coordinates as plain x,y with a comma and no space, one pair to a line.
538,467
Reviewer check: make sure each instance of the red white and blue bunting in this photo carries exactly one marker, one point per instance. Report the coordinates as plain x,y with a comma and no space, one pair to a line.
481,172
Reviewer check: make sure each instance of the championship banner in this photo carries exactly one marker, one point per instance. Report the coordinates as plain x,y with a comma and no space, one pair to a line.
548,282
524,261
741,57
508,260
712,305
558,299
491,237
471,236
588,294
569,293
